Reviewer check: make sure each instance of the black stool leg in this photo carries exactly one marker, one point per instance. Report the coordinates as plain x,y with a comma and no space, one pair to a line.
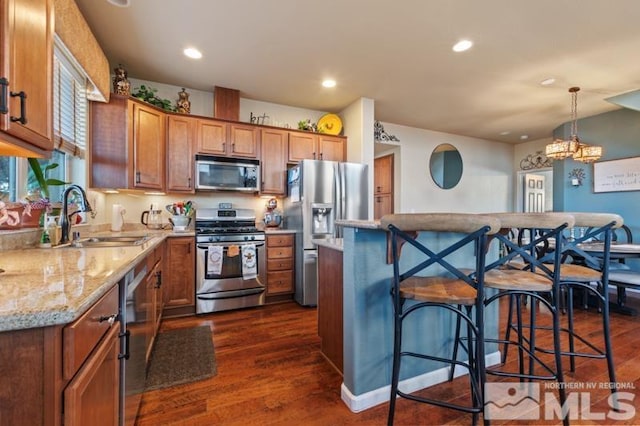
509,326
456,344
607,345
395,374
572,358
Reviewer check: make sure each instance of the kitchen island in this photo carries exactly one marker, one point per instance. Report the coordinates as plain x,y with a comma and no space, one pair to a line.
368,319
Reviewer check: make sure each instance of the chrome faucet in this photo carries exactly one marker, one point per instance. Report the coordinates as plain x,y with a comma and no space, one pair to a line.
65,218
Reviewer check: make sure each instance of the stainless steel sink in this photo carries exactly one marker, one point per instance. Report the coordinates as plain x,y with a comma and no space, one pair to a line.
109,241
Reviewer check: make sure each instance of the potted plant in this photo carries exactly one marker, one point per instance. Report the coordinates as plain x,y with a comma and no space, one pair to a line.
39,201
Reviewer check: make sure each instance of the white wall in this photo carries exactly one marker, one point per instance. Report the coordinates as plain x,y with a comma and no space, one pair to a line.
487,179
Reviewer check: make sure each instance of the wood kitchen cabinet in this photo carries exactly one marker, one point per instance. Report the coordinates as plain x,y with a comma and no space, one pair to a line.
383,186
148,135
179,281
330,296
26,64
180,153
127,149
280,264
64,374
273,155
316,146
211,137
154,299
228,139
331,148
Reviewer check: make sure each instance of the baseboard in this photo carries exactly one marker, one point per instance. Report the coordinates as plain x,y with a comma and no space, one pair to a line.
358,403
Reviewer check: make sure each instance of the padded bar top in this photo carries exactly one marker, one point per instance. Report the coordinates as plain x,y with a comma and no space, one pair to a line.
547,220
442,222
597,219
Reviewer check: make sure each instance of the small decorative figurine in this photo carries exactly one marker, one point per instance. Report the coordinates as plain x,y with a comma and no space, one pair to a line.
183,104
121,85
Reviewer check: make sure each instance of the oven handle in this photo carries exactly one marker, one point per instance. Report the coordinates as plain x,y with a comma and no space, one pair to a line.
204,246
231,294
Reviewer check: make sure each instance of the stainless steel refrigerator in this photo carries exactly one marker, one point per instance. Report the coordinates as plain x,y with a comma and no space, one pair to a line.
319,193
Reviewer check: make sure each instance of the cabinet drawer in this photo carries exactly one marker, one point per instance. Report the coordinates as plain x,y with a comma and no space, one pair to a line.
279,264
279,240
279,252
280,282
81,336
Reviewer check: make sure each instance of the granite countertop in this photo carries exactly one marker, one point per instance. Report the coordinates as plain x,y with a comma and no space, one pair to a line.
364,224
332,243
50,286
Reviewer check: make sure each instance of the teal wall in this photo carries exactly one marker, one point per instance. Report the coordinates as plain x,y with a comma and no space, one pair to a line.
619,133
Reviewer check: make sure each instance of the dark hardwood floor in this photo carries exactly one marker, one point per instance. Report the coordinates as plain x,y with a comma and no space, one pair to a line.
271,372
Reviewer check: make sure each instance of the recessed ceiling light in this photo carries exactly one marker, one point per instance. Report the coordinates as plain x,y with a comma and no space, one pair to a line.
548,81
462,45
505,133
329,83
119,3
192,53
524,137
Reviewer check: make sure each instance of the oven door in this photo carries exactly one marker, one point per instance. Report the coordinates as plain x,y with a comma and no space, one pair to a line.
229,275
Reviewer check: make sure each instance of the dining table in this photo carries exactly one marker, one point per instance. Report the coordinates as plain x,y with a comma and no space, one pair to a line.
618,253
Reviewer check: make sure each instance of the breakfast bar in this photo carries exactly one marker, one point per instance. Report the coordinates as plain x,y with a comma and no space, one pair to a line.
368,319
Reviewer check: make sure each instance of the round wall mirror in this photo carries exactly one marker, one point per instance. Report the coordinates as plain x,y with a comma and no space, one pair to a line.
445,166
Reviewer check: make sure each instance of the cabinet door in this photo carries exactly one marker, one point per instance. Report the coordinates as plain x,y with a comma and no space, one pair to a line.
302,146
383,175
273,155
332,148
92,397
148,147
179,282
211,137
244,141
382,204
26,63
180,157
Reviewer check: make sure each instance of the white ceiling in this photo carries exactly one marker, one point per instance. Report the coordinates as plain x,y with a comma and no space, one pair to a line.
397,53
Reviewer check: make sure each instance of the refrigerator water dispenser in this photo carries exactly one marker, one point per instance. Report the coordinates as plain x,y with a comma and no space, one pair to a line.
322,219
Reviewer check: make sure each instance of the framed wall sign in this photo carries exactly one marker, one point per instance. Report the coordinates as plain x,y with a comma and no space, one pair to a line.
617,175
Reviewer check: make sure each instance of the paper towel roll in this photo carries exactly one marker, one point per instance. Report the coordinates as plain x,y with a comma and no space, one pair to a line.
117,217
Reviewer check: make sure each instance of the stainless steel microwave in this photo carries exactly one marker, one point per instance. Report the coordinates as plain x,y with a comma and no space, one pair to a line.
227,174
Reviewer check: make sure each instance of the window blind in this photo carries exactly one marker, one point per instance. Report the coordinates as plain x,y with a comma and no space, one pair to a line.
69,105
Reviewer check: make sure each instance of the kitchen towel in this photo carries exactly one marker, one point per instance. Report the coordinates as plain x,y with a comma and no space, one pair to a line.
214,260
249,262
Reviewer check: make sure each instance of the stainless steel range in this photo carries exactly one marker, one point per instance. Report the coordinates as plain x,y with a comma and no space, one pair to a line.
230,260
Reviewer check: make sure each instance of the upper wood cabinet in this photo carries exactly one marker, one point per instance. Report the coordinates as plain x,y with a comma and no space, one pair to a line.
180,153
211,137
148,137
127,145
316,146
273,154
332,148
228,139
302,146
244,139
26,61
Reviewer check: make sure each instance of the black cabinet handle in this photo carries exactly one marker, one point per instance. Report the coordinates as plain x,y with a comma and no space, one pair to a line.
158,279
23,107
137,177
4,84
126,353
111,319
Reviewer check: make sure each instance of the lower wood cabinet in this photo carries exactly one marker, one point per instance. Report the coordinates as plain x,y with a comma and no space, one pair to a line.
179,277
330,294
280,264
92,397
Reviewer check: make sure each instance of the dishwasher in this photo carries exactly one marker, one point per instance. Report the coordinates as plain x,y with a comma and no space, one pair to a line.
133,332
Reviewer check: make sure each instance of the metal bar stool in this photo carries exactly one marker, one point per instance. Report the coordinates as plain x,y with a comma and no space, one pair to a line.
520,275
433,282
593,268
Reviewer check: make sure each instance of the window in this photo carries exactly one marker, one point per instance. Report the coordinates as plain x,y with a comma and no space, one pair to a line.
70,107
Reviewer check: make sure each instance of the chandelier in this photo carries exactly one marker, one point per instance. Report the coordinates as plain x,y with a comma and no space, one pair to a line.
560,149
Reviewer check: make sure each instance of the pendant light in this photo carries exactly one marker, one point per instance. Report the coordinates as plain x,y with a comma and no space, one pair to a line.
560,149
